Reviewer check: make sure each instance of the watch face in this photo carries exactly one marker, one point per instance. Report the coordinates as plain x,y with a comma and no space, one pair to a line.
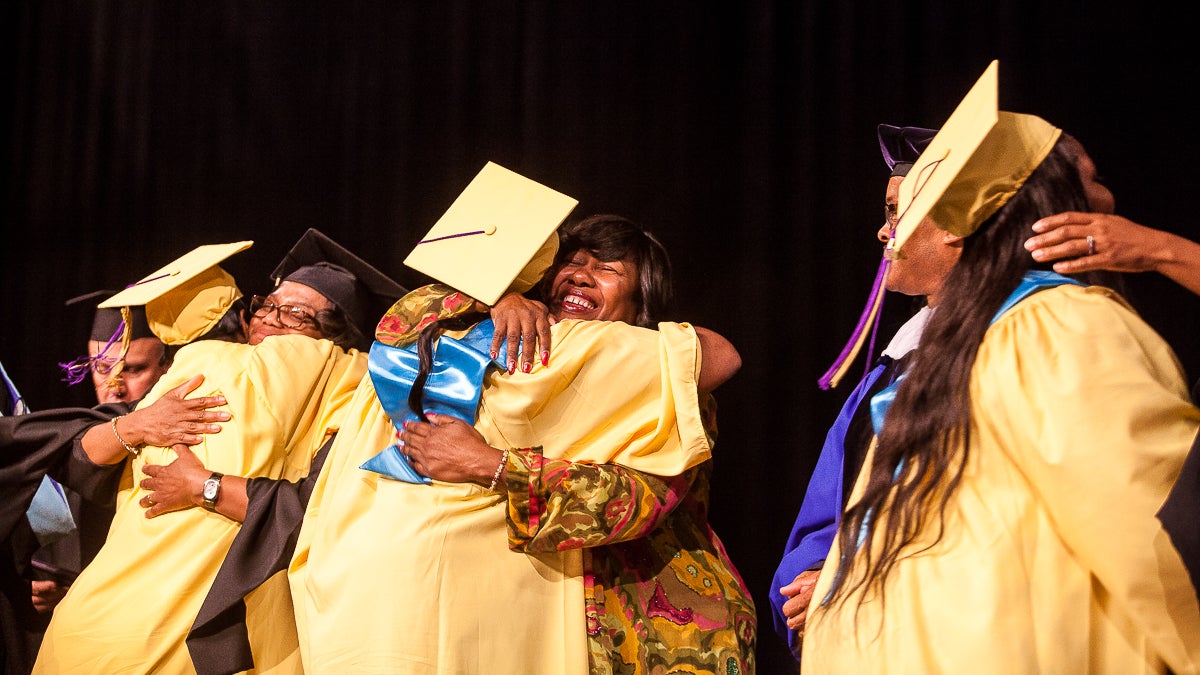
210,489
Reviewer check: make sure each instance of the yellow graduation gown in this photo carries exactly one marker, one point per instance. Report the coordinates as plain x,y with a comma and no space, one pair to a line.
1052,559
393,577
131,608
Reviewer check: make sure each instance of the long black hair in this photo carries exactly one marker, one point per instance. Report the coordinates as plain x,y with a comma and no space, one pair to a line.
429,334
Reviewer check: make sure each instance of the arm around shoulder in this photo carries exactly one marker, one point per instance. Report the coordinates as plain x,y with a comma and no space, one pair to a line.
720,360
1182,262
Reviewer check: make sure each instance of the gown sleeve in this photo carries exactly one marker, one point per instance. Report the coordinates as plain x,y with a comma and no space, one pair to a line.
218,641
1053,369
558,505
45,442
816,523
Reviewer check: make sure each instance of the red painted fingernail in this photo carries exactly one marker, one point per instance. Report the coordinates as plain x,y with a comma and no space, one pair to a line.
545,358
512,366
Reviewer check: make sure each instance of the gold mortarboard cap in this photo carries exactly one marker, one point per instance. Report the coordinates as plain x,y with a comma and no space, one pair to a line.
975,163
500,230
187,297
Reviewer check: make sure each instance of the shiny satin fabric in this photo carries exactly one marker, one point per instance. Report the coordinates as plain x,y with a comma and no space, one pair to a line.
452,388
1034,280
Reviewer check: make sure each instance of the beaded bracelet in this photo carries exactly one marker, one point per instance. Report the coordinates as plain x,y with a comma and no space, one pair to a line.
129,448
499,469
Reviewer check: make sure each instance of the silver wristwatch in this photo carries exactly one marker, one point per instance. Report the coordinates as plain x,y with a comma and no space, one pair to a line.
212,490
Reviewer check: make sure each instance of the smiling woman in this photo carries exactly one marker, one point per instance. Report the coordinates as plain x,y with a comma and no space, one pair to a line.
291,308
608,269
585,282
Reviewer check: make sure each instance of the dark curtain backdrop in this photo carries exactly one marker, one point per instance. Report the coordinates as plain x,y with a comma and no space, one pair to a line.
743,133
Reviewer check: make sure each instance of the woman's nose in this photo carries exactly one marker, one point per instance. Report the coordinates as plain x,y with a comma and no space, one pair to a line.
885,232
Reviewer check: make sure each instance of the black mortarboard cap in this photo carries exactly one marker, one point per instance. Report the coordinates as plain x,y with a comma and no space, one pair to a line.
901,146
106,321
358,289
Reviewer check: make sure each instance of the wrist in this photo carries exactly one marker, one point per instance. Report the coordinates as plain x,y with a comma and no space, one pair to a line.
500,472
131,448
195,483
132,429
211,491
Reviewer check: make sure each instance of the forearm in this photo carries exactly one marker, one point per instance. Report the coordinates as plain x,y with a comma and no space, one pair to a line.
556,504
1178,259
719,359
180,485
105,443
232,501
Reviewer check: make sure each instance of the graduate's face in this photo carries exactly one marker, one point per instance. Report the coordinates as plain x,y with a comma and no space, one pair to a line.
586,287
300,302
922,265
145,362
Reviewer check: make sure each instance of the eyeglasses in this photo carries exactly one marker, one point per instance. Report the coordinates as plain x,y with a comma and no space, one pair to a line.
891,215
288,316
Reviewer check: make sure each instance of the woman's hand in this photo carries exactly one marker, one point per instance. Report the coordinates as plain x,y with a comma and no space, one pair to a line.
169,420
47,594
448,449
799,594
175,486
1082,242
174,418
526,323
1117,244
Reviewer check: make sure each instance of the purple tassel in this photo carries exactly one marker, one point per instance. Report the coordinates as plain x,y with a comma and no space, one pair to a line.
870,312
75,371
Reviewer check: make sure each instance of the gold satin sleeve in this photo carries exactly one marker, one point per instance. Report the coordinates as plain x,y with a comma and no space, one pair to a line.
627,396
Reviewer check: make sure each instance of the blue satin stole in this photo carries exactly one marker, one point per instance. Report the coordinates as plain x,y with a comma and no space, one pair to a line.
452,388
1033,281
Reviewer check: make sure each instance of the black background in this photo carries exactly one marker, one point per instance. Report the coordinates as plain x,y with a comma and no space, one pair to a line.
743,134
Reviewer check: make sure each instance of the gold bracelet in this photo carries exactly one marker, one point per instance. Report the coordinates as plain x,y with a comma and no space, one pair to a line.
499,469
129,448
